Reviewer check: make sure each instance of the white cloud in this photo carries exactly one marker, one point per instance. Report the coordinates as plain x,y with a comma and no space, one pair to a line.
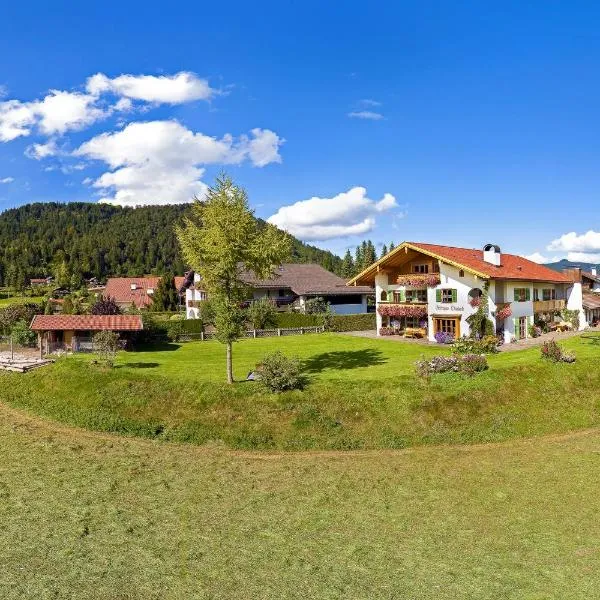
319,219
39,151
365,114
369,102
573,242
16,119
61,111
166,89
584,257
7,180
158,162
538,258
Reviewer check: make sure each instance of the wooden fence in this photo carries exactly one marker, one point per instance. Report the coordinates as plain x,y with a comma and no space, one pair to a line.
253,333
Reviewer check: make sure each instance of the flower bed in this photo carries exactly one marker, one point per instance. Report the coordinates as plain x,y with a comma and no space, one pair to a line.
467,364
418,280
402,310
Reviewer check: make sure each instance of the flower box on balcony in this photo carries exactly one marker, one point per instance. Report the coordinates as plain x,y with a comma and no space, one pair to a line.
503,312
403,310
419,280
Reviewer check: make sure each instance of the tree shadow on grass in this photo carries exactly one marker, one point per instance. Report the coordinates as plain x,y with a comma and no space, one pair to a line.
139,365
157,347
594,340
343,359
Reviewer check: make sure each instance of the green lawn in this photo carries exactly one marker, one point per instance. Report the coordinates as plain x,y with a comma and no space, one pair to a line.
20,300
103,517
362,394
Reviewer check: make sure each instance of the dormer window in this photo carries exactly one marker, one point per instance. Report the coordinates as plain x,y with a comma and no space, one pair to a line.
150,291
134,286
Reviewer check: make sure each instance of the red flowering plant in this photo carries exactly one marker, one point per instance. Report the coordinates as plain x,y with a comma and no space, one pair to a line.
475,301
402,310
503,312
419,280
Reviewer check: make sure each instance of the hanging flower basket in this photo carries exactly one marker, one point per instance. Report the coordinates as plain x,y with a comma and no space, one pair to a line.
417,280
475,302
503,312
402,310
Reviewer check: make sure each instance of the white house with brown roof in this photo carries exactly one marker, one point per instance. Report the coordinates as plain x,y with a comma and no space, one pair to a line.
292,285
430,289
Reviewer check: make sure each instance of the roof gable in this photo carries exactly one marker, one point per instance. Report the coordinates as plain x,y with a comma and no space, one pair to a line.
512,267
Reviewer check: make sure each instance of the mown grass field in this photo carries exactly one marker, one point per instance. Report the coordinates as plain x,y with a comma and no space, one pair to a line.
104,517
362,394
20,300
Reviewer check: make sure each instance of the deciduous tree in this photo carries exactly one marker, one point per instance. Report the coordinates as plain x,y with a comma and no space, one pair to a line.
222,239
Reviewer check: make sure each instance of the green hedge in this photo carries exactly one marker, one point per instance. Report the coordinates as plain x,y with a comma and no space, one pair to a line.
362,322
292,319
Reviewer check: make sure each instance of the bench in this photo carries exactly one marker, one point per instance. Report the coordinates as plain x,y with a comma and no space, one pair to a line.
415,332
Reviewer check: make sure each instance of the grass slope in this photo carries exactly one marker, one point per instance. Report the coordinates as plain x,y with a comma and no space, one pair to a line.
91,516
20,300
362,394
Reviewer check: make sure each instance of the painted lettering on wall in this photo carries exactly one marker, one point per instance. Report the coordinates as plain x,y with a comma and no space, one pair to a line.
450,307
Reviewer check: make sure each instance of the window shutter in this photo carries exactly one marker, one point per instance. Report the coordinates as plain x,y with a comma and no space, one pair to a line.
454,295
516,292
402,295
438,295
516,328
527,294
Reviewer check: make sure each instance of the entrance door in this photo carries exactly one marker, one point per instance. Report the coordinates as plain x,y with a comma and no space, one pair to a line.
450,326
522,328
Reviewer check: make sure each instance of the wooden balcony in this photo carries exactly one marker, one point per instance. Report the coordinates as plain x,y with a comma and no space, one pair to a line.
542,306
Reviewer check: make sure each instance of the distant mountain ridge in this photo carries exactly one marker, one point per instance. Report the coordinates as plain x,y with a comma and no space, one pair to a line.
84,239
569,264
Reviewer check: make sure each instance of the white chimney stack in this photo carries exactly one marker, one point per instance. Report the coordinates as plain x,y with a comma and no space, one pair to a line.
491,254
594,271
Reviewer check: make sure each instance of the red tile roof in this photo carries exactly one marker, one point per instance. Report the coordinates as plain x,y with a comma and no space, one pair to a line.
179,281
511,265
119,288
86,323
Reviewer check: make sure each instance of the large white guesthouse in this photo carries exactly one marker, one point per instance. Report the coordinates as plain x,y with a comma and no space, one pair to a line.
434,289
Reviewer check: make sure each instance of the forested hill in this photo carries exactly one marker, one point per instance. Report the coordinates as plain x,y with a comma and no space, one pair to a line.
99,240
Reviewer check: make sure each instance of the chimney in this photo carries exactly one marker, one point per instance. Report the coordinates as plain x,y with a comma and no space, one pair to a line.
133,286
491,254
574,274
594,271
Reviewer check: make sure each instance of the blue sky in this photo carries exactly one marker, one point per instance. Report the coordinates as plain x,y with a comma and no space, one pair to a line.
453,123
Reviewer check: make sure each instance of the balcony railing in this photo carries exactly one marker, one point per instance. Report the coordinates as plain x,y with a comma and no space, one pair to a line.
548,305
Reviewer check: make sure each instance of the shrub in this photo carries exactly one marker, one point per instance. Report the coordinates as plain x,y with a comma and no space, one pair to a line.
486,345
261,314
285,320
468,364
279,372
535,331
571,316
552,351
22,335
106,345
106,306
441,337
316,306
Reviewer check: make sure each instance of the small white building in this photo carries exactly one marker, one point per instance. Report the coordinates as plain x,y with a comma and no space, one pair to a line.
435,289
289,289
